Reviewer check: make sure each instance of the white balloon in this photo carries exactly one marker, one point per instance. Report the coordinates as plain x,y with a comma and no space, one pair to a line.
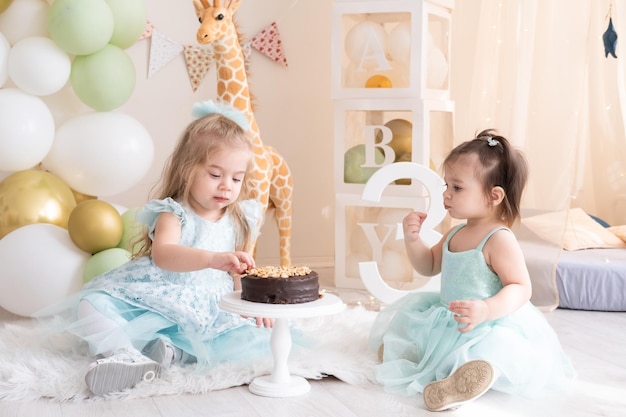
395,266
101,153
120,208
39,266
38,66
399,43
437,71
26,130
25,18
5,47
352,263
358,242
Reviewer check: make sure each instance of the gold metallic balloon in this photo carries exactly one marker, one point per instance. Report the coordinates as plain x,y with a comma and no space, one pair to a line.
34,196
80,197
4,4
95,225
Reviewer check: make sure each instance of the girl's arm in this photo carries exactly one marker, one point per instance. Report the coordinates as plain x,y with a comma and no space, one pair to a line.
504,256
169,254
425,260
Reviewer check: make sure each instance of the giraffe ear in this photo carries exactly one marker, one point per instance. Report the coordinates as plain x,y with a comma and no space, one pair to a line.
199,6
233,5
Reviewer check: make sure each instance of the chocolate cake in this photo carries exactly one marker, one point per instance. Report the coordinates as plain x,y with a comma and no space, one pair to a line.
280,285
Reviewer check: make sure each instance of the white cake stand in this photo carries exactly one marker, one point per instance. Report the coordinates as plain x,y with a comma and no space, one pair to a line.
281,383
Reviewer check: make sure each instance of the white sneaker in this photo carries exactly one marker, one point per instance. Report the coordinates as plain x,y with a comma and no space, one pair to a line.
124,369
468,382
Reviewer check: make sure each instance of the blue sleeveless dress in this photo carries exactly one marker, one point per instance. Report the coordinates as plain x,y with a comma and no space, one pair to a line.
148,302
422,342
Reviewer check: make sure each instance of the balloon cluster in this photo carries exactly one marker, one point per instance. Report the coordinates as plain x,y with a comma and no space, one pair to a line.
97,32
51,241
55,233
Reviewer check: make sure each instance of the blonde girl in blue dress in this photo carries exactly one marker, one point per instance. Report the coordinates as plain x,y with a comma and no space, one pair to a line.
162,306
480,332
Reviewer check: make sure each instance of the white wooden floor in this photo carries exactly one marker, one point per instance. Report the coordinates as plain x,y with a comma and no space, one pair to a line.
595,341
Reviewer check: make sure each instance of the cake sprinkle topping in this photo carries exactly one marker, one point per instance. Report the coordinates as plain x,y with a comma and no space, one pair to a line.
279,271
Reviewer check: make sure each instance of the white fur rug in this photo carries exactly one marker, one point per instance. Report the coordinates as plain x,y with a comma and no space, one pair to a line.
31,371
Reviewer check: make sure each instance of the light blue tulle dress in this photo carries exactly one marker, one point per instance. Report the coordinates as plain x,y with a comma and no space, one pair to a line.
422,342
148,302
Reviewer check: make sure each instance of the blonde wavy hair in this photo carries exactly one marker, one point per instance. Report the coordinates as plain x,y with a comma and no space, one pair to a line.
202,139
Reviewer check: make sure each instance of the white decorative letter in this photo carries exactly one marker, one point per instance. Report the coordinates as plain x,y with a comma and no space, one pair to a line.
373,51
373,191
371,145
372,237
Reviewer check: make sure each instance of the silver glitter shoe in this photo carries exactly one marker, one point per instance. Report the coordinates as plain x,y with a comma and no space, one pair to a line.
163,352
468,382
160,351
124,369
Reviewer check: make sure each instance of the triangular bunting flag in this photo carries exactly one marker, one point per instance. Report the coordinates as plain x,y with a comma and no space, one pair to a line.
198,61
147,31
269,44
162,51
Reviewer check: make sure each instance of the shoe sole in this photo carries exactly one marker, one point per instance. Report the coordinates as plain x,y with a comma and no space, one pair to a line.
468,382
105,378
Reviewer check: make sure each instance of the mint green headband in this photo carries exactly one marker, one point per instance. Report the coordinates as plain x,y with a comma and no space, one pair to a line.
208,107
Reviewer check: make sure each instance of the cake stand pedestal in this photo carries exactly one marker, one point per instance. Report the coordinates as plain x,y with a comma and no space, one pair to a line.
281,383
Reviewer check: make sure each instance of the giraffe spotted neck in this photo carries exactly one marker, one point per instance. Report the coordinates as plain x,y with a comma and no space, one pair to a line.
232,87
232,78
271,180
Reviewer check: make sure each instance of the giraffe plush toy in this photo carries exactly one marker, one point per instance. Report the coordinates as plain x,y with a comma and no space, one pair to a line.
271,176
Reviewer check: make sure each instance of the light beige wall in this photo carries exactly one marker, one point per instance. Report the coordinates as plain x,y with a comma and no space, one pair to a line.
294,109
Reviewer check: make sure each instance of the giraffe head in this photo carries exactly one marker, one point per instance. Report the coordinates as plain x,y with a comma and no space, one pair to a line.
215,20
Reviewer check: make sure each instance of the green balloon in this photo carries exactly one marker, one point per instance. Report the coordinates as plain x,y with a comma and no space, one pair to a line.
103,80
104,261
353,172
132,230
80,27
130,21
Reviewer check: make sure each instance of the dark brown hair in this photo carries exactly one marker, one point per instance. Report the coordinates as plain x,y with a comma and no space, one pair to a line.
501,165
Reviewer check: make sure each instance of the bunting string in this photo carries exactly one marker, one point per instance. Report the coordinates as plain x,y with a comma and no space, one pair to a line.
198,60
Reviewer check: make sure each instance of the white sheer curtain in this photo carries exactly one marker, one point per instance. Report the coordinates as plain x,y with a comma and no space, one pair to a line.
536,71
